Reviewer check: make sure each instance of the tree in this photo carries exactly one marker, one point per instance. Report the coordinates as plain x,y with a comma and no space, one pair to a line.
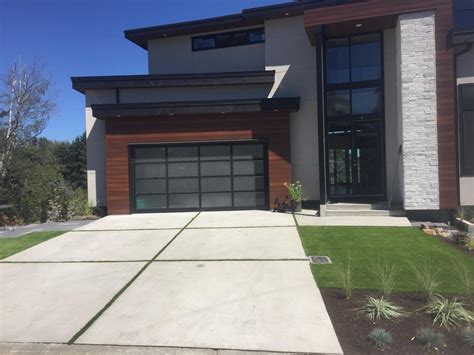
24,109
73,161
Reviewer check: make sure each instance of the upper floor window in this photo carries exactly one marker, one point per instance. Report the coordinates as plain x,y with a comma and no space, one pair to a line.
228,39
463,13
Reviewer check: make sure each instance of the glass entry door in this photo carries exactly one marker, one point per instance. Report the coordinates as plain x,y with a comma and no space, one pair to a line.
355,118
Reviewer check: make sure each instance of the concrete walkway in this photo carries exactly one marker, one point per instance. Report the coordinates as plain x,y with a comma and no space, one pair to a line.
310,218
208,282
9,232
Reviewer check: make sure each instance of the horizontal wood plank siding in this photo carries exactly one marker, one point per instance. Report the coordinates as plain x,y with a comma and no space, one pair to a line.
121,132
444,66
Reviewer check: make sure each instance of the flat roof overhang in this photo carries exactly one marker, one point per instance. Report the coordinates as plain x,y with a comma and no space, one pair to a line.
247,18
106,111
82,84
371,14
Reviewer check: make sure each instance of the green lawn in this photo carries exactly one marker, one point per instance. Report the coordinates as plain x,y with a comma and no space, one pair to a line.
10,246
365,246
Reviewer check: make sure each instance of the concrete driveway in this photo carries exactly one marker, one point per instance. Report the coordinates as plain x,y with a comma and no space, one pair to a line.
211,280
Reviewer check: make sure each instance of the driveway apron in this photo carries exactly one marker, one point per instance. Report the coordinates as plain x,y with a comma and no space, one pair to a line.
213,280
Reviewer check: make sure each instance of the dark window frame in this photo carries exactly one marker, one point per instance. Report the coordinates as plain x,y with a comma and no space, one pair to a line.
354,119
233,39
464,171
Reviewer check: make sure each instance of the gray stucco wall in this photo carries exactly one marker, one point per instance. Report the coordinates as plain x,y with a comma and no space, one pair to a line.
465,75
418,110
289,52
174,55
95,134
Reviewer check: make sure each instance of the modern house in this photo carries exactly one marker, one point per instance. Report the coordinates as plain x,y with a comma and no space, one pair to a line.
355,99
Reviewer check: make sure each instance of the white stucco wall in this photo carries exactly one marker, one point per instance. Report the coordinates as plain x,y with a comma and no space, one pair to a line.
465,75
95,134
174,55
289,52
418,110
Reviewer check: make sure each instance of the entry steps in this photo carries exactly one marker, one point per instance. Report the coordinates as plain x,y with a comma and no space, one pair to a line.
379,209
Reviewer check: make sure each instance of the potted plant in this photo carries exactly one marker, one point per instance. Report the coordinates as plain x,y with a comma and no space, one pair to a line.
295,191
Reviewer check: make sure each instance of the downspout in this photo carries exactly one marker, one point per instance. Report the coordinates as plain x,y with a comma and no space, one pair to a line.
321,120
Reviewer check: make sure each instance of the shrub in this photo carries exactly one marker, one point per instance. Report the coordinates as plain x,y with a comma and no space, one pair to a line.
78,205
377,308
429,338
295,190
448,312
468,336
380,338
344,272
385,275
427,278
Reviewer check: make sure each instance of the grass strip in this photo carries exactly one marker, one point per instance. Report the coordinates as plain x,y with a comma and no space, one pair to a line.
127,285
11,246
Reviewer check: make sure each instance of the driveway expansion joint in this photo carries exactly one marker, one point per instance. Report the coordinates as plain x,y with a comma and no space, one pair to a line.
127,285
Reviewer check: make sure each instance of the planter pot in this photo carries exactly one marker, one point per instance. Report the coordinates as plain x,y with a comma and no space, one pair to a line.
296,206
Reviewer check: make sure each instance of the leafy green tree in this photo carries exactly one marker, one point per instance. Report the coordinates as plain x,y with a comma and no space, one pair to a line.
73,162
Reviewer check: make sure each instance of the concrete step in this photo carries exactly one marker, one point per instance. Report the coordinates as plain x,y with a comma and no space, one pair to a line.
364,212
362,206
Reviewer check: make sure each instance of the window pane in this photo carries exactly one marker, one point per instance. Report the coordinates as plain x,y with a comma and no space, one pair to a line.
216,200
468,97
215,168
150,202
248,151
184,201
150,171
248,167
249,183
143,155
366,58
150,187
224,40
340,158
182,169
204,42
256,36
240,38
182,154
183,185
337,61
338,103
249,199
366,101
215,152
216,184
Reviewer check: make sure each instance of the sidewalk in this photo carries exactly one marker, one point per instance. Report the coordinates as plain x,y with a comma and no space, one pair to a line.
40,227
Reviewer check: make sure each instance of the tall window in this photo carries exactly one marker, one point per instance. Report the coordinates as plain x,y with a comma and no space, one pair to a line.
354,115
463,13
466,127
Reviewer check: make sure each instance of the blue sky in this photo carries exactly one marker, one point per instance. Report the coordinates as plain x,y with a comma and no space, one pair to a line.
85,37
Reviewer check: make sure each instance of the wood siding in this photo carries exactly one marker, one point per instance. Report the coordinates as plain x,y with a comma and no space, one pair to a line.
121,132
444,65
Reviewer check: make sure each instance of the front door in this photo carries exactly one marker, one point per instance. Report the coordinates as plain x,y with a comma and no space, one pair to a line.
355,118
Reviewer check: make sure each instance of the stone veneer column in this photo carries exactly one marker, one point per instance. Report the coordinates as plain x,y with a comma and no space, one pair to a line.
418,110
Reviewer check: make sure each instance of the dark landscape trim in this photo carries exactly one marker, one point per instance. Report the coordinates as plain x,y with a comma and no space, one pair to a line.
104,111
265,77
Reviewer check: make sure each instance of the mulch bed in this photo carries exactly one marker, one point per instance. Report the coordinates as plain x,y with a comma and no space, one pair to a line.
353,328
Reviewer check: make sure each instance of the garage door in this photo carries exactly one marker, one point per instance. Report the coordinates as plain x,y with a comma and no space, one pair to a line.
203,176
